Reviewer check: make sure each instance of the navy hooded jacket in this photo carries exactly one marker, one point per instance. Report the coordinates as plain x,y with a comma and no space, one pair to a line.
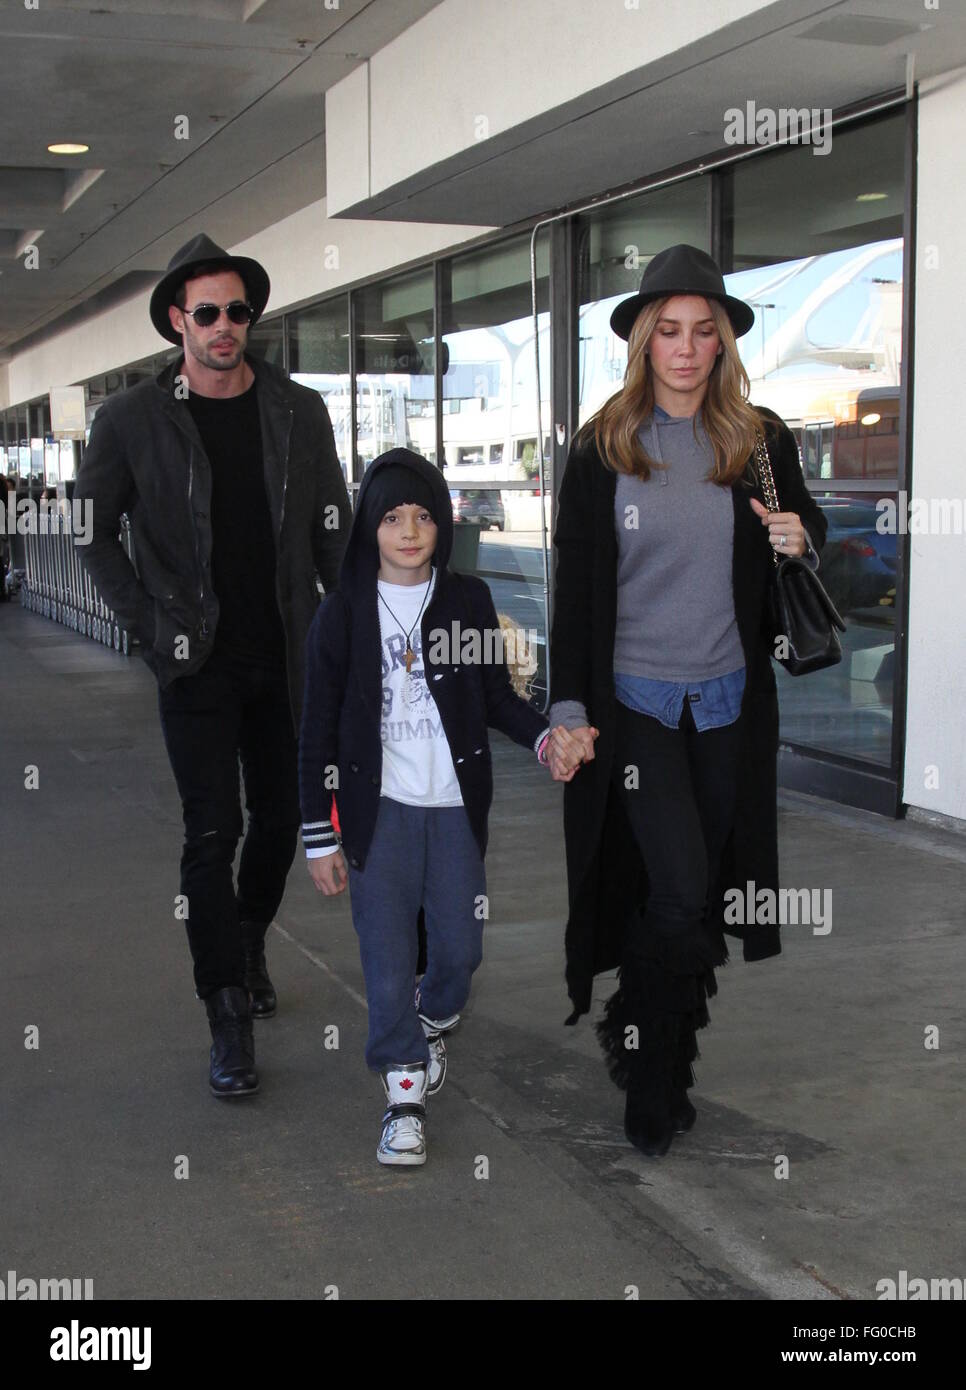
341,714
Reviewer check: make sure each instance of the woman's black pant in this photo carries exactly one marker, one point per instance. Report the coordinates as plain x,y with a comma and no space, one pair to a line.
678,788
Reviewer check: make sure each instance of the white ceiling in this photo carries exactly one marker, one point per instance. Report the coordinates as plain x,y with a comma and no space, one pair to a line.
793,53
249,74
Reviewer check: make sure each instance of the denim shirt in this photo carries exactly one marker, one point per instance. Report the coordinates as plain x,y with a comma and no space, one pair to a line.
714,702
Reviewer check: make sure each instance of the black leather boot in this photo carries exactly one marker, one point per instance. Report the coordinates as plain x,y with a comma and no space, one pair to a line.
259,986
637,1036
683,1113
233,1047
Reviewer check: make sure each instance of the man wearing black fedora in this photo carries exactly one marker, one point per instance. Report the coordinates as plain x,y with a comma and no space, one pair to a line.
229,475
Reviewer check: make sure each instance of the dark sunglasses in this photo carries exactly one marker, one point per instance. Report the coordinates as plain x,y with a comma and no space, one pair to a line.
205,315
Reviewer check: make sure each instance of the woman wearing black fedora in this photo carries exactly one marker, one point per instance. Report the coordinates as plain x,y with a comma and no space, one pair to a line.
660,669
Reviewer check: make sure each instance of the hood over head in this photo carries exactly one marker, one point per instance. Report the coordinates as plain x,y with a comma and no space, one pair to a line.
385,485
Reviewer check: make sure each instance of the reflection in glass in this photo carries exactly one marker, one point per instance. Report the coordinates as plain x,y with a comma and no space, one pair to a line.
818,253
319,358
266,341
395,389
847,709
52,463
68,460
490,421
614,246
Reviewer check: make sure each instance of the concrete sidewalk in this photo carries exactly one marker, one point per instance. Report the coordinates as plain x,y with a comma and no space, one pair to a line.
818,1056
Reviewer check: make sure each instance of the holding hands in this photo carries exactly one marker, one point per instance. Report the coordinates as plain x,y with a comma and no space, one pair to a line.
568,748
565,750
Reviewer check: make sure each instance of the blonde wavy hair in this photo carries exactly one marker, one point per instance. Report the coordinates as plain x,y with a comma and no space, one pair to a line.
728,419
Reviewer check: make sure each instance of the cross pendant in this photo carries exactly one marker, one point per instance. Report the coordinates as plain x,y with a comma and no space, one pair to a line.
410,658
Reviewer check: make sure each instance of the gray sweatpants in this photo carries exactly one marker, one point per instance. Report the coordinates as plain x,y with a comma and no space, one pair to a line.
420,856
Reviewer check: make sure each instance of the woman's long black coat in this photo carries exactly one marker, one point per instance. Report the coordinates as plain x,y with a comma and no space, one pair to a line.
606,877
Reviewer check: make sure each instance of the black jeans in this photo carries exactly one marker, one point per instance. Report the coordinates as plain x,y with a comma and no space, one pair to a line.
681,811
210,719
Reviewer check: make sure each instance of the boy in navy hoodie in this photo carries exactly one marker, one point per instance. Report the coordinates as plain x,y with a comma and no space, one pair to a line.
403,676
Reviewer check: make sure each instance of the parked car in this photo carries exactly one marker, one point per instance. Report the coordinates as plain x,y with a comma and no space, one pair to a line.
482,505
858,566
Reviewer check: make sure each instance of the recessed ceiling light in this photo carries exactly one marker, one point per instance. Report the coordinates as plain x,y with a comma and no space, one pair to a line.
871,197
67,147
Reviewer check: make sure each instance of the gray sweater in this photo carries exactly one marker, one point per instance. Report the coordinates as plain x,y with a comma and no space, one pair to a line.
675,533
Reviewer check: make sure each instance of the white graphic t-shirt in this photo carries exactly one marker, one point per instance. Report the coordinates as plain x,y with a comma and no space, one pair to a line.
417,767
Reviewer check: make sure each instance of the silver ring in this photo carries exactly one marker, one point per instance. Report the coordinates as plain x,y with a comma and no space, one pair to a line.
784,538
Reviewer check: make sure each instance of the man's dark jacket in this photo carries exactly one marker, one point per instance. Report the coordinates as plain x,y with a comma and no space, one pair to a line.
146,458
342,714
607,881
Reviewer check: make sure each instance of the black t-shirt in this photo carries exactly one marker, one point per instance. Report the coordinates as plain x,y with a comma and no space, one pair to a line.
243,546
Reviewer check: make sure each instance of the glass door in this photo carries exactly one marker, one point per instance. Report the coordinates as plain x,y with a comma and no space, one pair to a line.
818,252
490,431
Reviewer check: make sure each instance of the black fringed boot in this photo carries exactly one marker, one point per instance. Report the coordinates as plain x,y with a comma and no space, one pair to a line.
638,1041
699,989
683,1113
661,1003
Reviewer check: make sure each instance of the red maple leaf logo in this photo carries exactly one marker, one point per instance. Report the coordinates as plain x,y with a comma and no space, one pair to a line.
405,1085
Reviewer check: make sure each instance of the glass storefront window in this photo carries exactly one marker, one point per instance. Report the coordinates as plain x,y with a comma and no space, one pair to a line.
318,349
395,362
490,428
100,387
818,253
614,246
52,462
36,456
147,367
8,452
68,460
266,340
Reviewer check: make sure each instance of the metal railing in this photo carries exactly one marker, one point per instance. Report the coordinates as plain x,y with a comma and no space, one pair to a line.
56,585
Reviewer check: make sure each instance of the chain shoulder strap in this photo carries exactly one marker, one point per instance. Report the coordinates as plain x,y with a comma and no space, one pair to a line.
767,480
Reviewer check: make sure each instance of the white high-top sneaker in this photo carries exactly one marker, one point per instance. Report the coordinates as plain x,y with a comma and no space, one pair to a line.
437,1055
440,1025
403,1138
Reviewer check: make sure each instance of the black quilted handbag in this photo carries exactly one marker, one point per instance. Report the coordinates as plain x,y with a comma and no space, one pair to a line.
799,609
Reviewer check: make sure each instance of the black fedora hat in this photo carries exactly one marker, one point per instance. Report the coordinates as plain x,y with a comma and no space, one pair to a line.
681,269
201,250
